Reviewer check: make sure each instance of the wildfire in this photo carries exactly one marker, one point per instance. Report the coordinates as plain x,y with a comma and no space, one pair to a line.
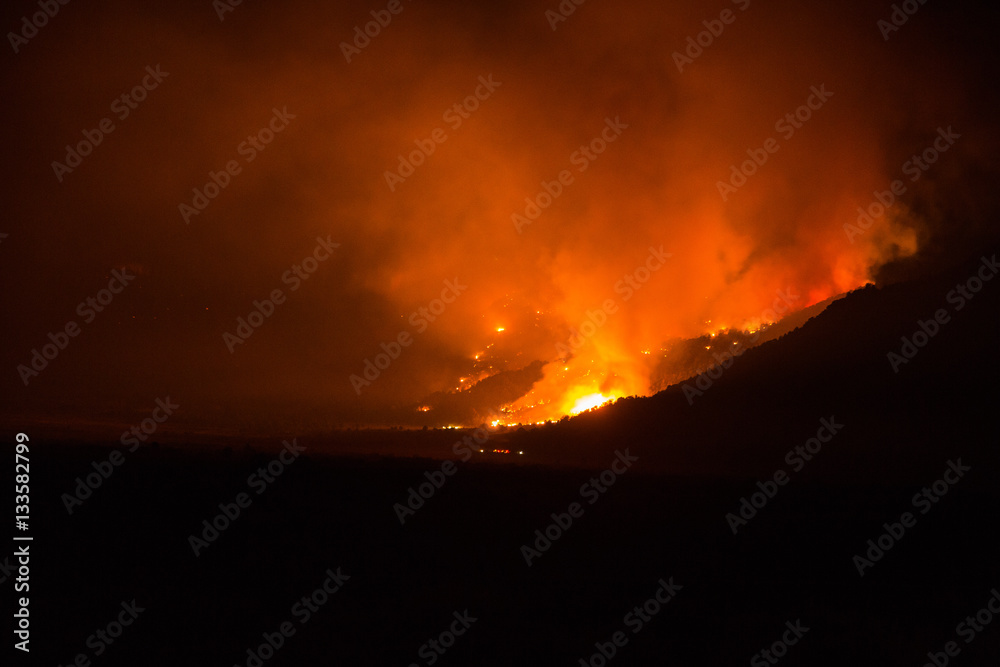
604,334
589,402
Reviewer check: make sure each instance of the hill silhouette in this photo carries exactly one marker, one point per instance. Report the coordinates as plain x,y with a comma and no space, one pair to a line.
772,396
669,517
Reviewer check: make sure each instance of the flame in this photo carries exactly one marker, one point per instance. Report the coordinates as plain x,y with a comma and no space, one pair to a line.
589,402
625,264
613,364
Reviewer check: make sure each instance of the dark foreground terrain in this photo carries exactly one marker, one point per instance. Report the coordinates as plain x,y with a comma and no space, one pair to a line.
907,460
461,551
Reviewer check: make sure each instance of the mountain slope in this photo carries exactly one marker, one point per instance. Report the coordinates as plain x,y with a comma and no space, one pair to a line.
936,406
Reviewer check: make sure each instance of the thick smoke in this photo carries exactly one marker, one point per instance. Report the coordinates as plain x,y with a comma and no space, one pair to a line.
606,77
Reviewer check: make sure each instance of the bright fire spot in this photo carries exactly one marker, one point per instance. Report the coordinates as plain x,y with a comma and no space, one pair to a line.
499,329
424,408
495,423
588,402
595,367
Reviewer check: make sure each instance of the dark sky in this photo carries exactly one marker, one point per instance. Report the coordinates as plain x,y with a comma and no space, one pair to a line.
608,65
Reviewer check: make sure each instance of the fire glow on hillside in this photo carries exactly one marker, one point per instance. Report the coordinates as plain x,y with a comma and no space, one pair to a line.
527,216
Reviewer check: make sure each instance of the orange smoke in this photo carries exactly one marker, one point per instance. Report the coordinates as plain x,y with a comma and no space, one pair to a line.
570,177
546,213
